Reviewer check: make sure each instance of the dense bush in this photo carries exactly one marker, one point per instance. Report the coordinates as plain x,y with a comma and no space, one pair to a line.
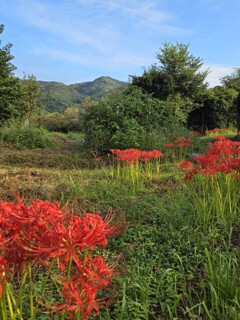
21,136
128,120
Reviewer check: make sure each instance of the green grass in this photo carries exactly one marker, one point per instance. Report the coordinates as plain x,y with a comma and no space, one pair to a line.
171,266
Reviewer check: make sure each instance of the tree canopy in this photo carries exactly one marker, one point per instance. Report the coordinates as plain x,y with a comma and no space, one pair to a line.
11,89
178,72
232,81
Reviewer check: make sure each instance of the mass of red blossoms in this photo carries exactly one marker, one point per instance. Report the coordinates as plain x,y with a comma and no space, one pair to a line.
196,133
215,130
43,231
179,142
135,155
222,156
219,130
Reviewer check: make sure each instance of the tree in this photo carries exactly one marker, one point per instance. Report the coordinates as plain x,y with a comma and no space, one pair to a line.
31,95
54,121
232,81
71,115
178,73
218,109
11,89
238,114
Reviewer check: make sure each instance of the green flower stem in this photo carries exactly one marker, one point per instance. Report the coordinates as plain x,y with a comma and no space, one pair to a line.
32,313
18,305
3,304
10,307
69,270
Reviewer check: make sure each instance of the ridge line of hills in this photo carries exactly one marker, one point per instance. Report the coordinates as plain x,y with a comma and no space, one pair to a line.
58,96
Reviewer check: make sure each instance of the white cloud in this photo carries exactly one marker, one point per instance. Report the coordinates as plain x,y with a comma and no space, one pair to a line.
217,72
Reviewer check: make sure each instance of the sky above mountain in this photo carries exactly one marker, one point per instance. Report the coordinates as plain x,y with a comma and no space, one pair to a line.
79,40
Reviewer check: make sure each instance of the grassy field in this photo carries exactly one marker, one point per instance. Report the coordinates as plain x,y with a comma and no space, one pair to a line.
177,259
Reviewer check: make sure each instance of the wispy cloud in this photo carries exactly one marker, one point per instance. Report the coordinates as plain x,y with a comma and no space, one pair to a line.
144,14
126,61
96,32
93,22
114,35
67,22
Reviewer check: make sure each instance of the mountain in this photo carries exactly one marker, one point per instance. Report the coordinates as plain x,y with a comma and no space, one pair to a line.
57,96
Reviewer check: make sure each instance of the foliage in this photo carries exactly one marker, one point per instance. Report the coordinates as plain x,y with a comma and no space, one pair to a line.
11,90
238,112
125,120
178,73
165,271
218,109
31,96
56,96
22,136
232,81
53,121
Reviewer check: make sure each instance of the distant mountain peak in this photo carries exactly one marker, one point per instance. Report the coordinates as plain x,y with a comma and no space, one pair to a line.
60,96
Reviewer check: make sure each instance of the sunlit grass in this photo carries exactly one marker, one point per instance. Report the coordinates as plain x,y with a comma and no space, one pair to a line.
177,262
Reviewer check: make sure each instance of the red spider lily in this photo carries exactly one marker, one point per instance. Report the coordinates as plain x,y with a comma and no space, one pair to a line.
215,130
154,154
128,155
222,156
196,133
83,233
68,239
135,155
169,145
179,142
220,138
188,168
186,165
44,231
80,292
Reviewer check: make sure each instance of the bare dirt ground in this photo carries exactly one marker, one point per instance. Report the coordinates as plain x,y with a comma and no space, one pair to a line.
62,155
39,172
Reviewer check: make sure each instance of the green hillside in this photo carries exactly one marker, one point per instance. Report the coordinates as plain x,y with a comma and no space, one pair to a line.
57,96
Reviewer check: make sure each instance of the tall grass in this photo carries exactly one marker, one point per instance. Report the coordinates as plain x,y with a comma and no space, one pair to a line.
216,200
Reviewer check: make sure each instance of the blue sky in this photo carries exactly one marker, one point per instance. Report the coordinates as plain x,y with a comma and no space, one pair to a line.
80,40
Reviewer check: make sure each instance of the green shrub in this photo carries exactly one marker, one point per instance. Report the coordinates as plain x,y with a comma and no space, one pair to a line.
127,120
20,136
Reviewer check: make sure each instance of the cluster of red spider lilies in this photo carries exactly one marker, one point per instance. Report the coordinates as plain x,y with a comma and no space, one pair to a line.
135,155
222,156
45,236
179,143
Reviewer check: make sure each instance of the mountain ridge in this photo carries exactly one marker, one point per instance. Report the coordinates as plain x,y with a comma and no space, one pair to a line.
58,96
